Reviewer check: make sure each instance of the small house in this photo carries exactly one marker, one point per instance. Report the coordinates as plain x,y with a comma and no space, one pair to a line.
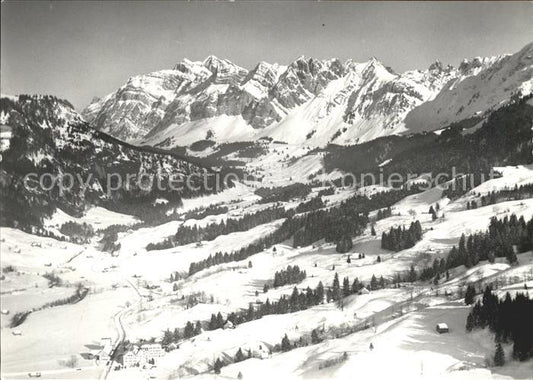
129,359
261,352
228,325
442,328
173,346
364,291
106,348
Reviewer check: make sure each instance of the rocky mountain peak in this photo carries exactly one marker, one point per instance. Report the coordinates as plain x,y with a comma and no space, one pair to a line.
436,66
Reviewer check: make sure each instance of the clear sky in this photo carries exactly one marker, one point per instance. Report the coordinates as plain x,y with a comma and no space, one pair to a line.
78,50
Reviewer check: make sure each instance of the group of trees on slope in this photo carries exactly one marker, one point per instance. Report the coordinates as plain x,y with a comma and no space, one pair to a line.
504,238
291,275
78,232
384,213
509,194
509,319
400,238
283,193
190,234
297,301
337,224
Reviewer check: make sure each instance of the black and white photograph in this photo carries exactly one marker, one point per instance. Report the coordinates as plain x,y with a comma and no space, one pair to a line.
258,190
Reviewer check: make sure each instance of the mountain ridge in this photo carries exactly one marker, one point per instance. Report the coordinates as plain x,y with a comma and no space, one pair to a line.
309,101
45,136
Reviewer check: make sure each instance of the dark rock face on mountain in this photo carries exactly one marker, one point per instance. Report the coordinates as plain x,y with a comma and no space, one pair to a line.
46,136
505,138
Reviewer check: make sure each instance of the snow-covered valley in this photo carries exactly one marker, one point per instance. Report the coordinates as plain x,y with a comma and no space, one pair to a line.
131,298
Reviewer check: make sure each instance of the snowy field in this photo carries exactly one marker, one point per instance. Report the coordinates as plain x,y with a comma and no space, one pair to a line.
69,330
98,217
406,348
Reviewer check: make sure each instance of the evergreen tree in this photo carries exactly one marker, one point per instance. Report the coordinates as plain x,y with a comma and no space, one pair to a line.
462,248
309,297
511,255
167,338
356,286
470,323
373,283
189,330
218,366
373,231
176,335
220,321
499,356
212,325
250,314
346,287
294,300
198,328
412,274
285,344
314,337
319,293
239,356
470,294
336,288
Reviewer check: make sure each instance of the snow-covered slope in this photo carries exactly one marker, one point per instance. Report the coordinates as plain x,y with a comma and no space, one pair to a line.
46,135
308,101
481,85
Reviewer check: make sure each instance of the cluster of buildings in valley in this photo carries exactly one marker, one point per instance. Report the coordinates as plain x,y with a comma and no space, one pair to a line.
134,355
141,355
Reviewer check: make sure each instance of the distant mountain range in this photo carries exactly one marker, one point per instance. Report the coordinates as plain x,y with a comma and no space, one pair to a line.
311,102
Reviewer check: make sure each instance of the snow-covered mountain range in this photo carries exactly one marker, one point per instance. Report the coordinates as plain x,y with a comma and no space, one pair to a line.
312,102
